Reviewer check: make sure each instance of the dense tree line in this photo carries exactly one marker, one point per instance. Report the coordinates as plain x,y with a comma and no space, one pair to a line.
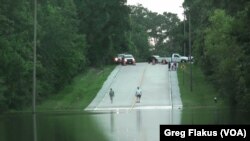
105,24
16,53
164,31
72,36
221,39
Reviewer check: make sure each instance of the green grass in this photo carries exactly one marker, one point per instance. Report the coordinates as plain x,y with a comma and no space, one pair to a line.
203,91
198,105
79,93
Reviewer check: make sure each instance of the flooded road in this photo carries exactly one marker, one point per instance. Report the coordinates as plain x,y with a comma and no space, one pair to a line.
107,126
159,86
137,125
128,120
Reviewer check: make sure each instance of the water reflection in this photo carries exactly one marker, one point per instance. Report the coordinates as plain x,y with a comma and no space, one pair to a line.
34,127
137,125
138,120
214,115
112,122
49,127
171,117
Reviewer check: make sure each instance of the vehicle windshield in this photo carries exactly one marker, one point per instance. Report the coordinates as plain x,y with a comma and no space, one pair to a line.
128,56
120,55
156,56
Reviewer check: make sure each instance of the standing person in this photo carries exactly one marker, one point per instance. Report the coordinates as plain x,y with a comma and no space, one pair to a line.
215,99
175,65
153,61
111,94
138,94
169,66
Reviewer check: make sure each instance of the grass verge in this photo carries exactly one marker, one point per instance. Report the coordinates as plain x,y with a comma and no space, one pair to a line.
79,93
199,106
202,94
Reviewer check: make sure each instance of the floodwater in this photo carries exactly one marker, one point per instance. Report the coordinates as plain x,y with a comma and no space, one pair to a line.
49,127
135,125
215,116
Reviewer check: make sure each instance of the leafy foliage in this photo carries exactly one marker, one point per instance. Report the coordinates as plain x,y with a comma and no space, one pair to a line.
161,30
105,24
221,45
72,35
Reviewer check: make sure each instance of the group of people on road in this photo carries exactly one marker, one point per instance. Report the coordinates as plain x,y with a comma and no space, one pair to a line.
138,94
172,66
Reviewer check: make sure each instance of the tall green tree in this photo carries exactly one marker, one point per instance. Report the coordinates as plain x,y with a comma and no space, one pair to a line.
162,29
62,50
105,24
241,31
220,39
222,53
16,53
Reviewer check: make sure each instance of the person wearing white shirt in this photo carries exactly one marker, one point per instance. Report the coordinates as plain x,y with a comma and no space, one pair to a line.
138,94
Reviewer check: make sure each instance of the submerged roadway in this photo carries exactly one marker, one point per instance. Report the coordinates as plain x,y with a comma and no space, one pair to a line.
124,119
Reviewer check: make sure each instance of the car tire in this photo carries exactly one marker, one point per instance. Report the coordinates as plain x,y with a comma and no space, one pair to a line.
183,61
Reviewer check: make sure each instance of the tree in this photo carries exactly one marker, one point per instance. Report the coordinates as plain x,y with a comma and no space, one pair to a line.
62,49
161,29
221,44
105,24
16,53
223,53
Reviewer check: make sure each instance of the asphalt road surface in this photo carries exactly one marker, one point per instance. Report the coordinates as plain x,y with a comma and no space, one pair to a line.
124,119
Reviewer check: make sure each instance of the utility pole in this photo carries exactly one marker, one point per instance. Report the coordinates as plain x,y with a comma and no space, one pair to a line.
34,74
190,52
34,58
184,45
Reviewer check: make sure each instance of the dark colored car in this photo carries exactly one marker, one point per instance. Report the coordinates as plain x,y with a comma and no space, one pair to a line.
154,58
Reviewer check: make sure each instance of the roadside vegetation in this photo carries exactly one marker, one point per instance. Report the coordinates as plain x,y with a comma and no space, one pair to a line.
220,44
72,36
200,101
203,92
77,95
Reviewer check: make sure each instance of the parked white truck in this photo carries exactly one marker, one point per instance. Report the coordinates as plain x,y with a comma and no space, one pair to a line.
178,58
175,57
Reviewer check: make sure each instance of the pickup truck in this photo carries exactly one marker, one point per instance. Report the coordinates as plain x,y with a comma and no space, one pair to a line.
156,59
174,58
178,58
